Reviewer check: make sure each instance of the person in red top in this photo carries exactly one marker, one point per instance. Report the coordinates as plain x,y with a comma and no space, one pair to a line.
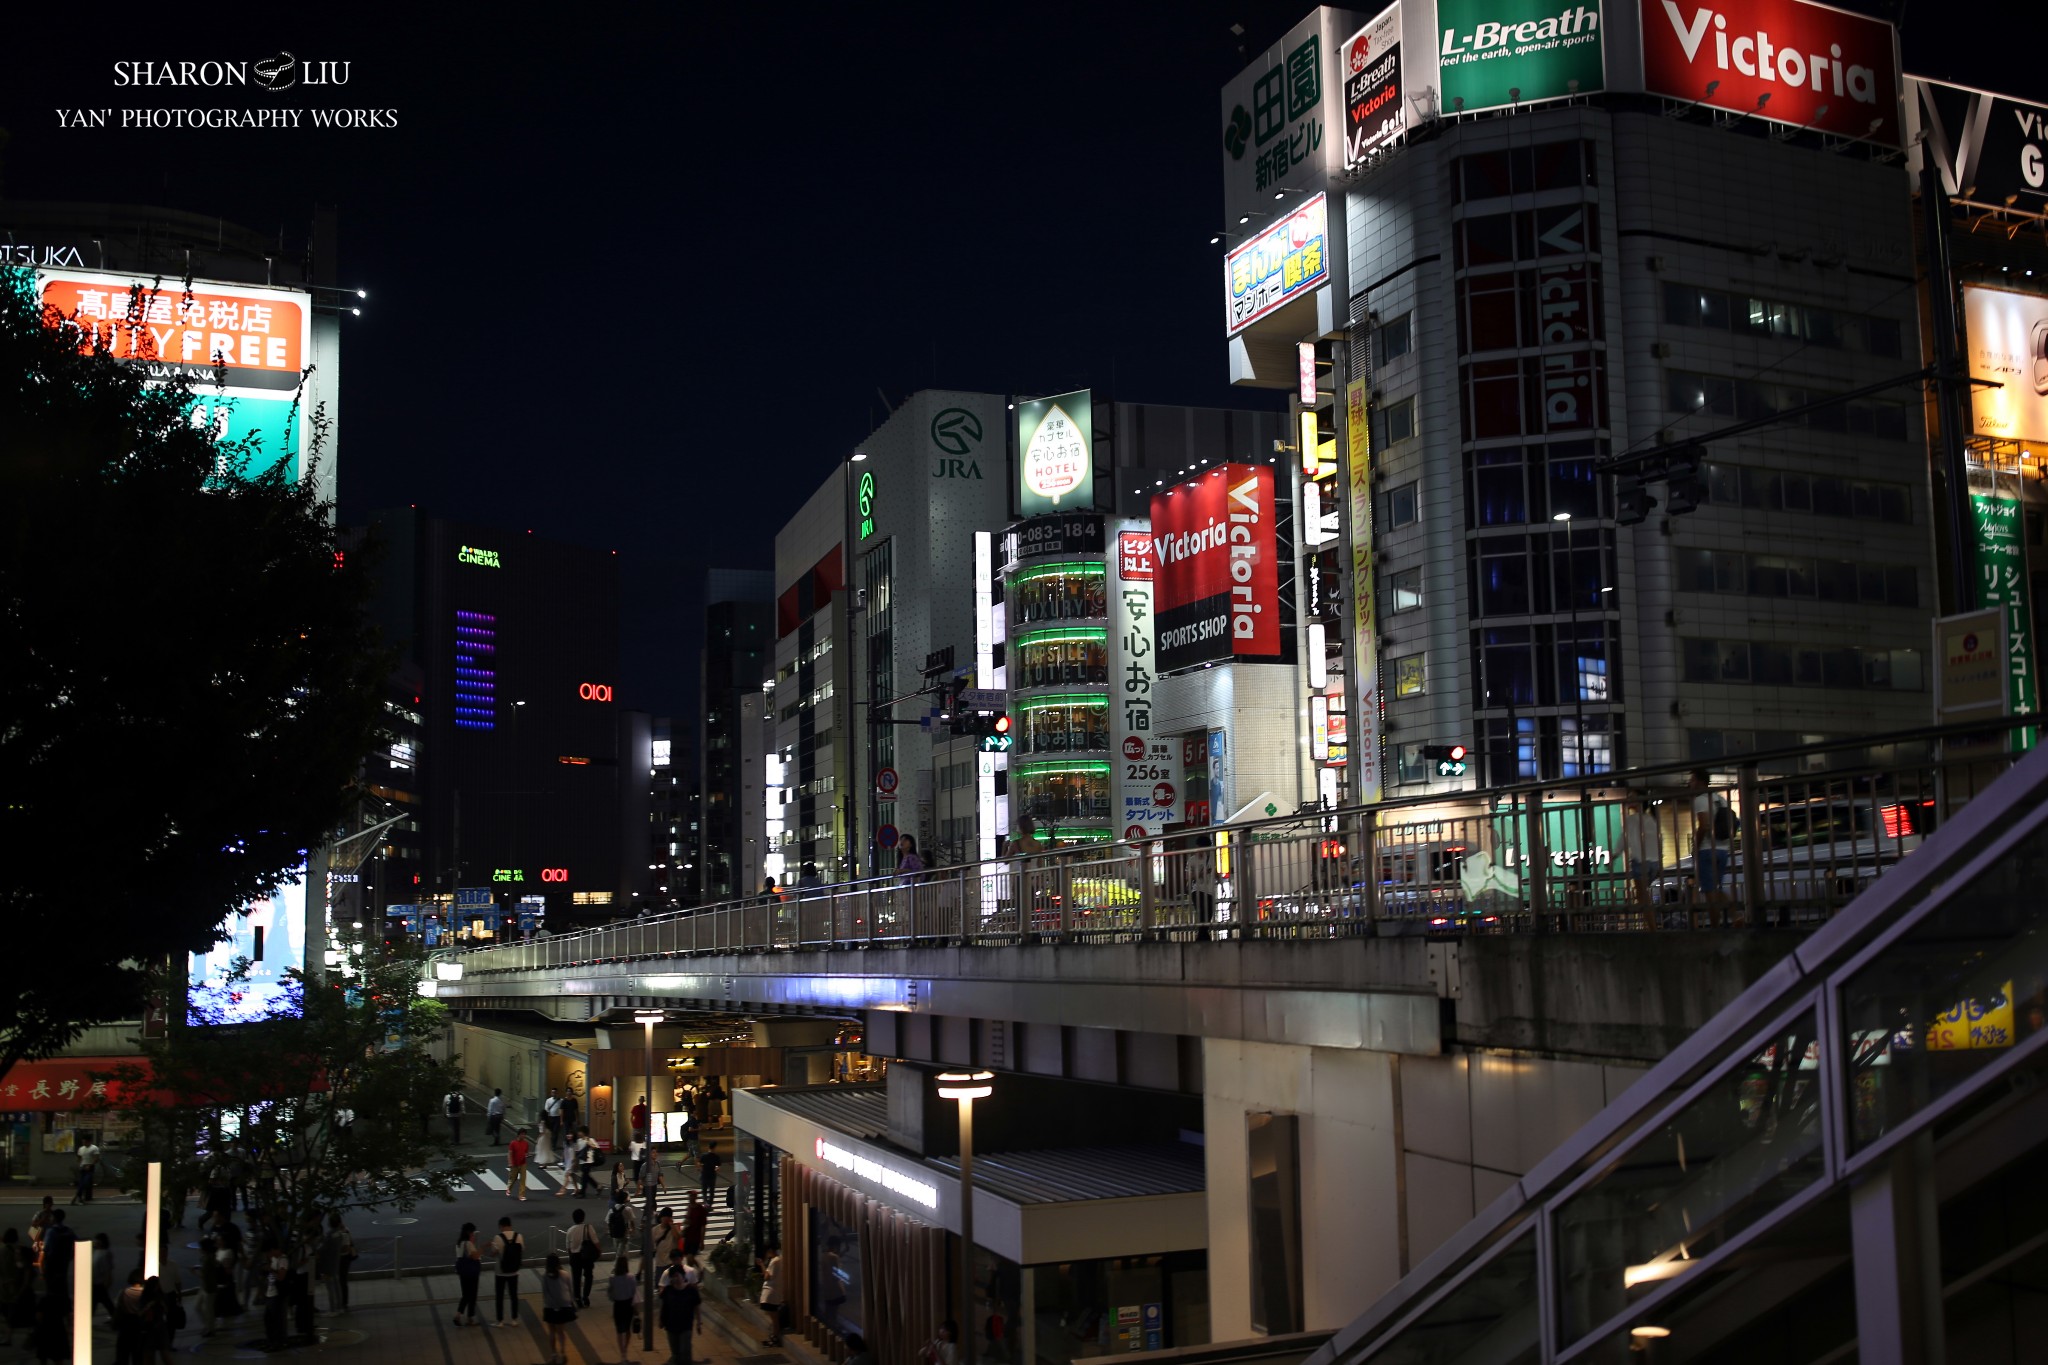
515,1154
639,1120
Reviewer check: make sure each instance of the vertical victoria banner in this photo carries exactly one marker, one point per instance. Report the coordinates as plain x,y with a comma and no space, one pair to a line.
1148,767
1056,453
1363,757
1374,106
1218,586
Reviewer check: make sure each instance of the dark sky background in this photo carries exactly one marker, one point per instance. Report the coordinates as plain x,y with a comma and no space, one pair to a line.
639,279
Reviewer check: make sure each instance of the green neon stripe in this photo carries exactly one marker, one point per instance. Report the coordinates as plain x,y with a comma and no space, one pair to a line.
1065,699
1068,635
1038,571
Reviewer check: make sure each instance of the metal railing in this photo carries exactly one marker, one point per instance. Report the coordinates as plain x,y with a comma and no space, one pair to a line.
1713,1193
1786,837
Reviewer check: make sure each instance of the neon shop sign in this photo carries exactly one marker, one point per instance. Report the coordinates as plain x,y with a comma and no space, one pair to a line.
470,554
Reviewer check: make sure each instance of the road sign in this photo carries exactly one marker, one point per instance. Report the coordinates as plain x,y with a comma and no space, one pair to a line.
886,836
885,783
983,699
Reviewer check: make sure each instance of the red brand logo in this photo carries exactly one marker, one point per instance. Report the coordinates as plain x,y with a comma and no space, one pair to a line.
554,874
594,691
1782,60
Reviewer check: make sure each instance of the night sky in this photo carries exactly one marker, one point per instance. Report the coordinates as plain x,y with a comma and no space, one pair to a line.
639,281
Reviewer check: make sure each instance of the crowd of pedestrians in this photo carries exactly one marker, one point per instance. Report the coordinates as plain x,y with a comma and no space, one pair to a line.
39,1294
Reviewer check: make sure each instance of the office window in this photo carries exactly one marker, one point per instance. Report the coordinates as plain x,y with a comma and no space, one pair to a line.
1409,678
1393,339
1404,590
1400,506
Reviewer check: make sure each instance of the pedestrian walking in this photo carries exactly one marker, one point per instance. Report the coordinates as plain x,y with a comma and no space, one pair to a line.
619,1222
637,1120
494,1117
88,1167
103,1274
60,1244
680,1297
453,1103
623,1289
277,1270
337,1248
40,1224
17,1286
469,1273
572,1109
127,1316
772,1295
551,1122
584,1250
588,1157
508,1252
515,1166
1642,843
557,1308
695,1215
707,1170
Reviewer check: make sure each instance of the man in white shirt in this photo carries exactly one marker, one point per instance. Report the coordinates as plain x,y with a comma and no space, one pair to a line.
494,1117
88,1164
1642,843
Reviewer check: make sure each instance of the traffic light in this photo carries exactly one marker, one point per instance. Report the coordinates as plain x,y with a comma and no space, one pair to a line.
1450,758
995,734
1633,503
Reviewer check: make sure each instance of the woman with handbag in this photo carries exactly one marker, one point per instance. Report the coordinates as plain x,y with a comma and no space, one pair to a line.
623,1289
557,1308
469,1273
584,1249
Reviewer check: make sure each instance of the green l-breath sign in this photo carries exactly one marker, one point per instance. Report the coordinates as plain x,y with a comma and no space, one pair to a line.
1489,48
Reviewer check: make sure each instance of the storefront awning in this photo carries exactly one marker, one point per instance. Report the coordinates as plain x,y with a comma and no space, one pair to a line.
1032,1208
64,1083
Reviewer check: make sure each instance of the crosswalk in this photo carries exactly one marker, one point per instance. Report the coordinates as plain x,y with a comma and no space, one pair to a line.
549,1181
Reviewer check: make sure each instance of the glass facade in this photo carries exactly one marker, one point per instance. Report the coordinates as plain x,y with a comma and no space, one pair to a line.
1058,725
1076,591
1054,658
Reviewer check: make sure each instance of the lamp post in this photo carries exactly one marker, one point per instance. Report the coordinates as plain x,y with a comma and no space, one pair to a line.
965,1087
152,1219
1582,869
647,1019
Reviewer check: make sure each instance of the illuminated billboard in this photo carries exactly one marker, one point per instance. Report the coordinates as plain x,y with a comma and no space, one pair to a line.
269,938
1056,453
1786,61
2007,337
1287,261
1375,111
255,341
1216,589
1495,53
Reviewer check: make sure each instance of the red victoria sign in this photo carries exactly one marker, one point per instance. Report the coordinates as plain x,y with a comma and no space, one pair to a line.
1820,67
1217,591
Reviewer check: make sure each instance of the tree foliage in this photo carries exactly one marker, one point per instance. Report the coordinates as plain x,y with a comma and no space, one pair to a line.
363,1043
190,681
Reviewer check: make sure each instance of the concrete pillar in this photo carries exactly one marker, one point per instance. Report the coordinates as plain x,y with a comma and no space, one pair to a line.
1894,1234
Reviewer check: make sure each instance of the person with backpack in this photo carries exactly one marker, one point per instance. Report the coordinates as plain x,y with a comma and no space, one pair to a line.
1713,830
584,1249
508,1251
469,1274
680,1298
619,1222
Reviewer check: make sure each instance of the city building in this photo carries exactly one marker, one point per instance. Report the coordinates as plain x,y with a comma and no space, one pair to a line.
734,658
1529,308
673,822
893,585
536,772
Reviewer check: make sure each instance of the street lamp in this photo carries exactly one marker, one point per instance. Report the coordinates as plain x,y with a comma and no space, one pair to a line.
647,1019
965,1087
